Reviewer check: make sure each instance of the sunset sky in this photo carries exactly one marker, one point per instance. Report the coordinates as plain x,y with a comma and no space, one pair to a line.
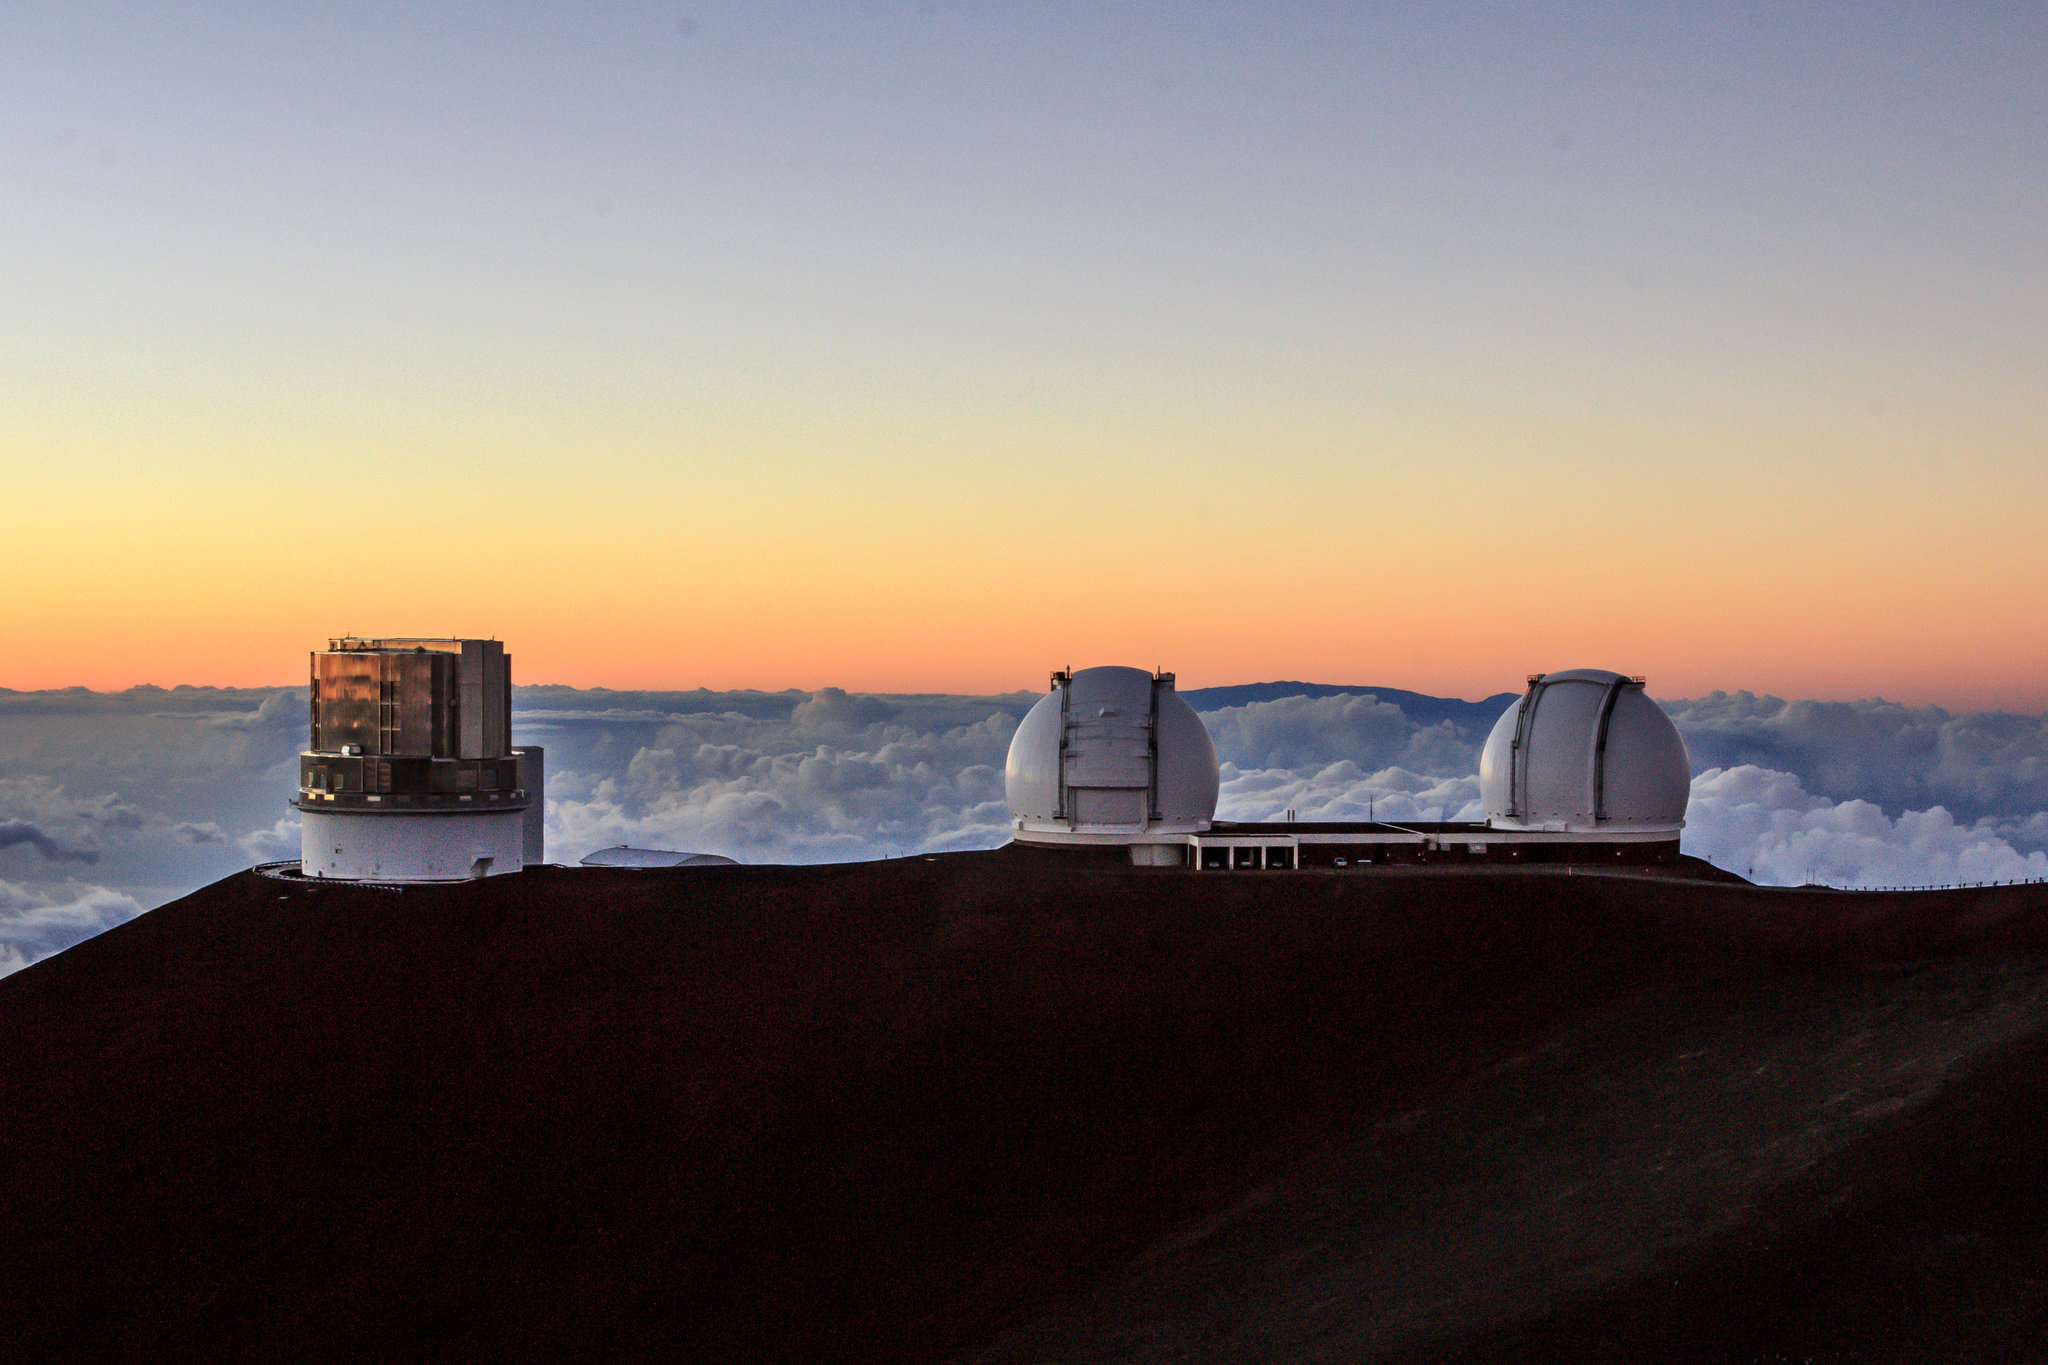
927,347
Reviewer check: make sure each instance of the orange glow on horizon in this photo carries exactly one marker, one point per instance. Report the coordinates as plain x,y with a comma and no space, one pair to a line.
1473,654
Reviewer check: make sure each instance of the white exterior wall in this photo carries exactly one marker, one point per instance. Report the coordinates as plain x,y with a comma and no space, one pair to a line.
410,846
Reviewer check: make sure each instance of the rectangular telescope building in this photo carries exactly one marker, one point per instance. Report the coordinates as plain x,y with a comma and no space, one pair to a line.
411,774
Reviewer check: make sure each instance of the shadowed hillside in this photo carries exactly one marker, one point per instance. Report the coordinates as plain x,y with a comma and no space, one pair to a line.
898,1110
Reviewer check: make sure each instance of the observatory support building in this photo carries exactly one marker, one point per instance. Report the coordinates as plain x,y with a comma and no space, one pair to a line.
1583,768
411,775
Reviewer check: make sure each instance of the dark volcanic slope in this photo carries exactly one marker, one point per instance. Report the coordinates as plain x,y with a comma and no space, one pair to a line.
879,1111
1752,1171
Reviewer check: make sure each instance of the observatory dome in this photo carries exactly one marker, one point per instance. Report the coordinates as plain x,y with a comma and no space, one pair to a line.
1111,756
1586,752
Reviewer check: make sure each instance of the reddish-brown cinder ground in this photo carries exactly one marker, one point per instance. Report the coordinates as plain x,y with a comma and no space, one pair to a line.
883,1111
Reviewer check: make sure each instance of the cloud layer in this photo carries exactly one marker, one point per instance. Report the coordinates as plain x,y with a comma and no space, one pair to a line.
1865,793
34,924
159,792
1900,758
840,777
1767,826
14,832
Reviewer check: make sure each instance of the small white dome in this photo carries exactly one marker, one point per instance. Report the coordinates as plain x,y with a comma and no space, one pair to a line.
1111,755
1585,751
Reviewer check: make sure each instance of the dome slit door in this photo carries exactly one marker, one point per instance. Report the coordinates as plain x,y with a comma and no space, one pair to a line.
1600,748
1064,680
1152,755
1518,760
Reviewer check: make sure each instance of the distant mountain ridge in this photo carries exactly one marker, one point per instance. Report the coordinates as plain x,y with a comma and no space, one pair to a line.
1417,706
753,702
1475,716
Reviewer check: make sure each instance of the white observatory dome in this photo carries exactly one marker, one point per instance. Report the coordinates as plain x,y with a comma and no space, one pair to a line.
1586,752
1111,756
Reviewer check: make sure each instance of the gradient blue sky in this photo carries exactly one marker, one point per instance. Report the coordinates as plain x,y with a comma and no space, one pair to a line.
925,346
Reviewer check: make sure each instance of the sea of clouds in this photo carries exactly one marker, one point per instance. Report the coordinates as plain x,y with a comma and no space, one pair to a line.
112,803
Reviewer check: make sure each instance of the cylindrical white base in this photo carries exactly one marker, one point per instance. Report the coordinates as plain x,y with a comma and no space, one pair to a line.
410,846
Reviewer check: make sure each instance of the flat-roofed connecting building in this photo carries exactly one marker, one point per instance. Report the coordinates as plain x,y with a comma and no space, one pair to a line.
411,774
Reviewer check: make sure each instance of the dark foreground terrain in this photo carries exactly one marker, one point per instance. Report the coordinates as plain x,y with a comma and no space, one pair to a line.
1009,1106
